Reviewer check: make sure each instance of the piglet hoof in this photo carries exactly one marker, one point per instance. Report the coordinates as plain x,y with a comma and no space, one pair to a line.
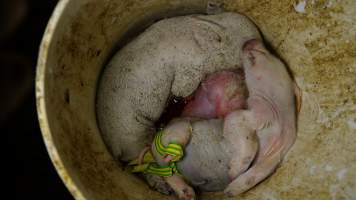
187,193
234,189
230,193
158,184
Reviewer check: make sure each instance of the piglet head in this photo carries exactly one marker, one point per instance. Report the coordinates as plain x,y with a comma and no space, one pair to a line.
263,71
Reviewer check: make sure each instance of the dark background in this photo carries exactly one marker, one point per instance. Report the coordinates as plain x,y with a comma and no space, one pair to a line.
22,24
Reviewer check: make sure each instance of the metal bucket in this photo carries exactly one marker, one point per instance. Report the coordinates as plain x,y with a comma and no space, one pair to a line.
315,39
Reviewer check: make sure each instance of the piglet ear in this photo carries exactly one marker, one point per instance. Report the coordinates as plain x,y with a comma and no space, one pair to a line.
258,172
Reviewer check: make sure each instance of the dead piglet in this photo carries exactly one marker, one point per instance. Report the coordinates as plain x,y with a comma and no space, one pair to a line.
271,112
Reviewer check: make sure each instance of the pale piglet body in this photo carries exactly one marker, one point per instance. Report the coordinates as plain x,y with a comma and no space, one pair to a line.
271,110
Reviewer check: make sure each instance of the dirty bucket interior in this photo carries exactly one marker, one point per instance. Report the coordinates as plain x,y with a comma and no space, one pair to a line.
316,39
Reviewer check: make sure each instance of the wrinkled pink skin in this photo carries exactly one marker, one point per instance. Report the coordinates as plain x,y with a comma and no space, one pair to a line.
218,95
272,113
261,134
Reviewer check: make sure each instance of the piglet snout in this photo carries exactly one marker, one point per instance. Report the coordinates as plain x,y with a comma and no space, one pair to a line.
254,45
253,51
250,44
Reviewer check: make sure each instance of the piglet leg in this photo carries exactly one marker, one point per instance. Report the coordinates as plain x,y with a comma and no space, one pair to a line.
266,161
239,132
180,187
254,175
178,131
271,147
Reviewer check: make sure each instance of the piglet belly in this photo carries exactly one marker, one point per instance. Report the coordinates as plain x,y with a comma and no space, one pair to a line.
205,165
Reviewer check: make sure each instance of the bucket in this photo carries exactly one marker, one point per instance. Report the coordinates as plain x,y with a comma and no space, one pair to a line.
316,39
